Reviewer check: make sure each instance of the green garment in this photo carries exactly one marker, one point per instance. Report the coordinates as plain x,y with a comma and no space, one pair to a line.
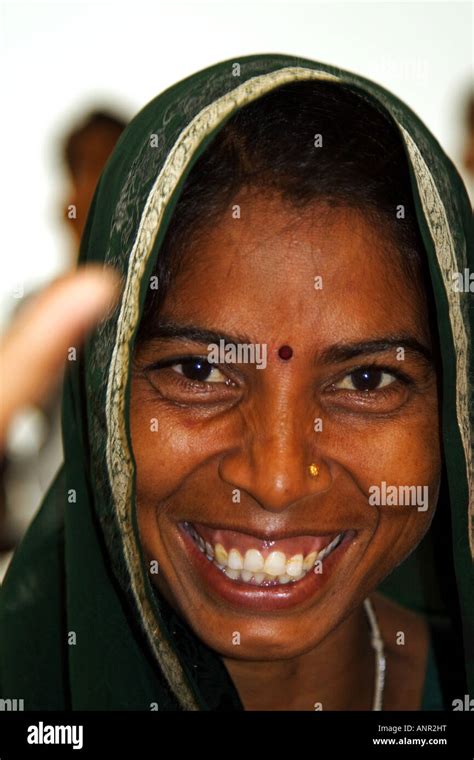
79,571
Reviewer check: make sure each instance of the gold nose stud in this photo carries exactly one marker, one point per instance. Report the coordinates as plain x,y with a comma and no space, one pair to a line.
313,470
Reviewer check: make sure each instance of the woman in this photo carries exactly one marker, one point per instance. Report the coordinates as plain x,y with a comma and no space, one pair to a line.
259,435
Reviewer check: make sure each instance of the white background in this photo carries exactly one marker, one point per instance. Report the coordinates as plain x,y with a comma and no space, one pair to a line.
59,59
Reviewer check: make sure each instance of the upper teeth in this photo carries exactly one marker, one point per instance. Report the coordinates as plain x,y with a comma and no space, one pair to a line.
257,569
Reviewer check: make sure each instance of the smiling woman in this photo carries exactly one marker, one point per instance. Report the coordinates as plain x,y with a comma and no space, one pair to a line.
230,523
240,532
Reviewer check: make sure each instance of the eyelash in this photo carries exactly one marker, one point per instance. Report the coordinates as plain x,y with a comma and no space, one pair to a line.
400,376
181,380
210,387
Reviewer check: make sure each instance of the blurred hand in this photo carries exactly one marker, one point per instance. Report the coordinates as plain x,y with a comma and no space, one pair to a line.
35,348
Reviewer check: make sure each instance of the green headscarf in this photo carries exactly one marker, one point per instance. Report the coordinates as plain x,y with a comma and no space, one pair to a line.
80,624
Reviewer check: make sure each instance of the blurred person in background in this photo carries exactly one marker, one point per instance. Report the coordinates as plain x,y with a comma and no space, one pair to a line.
86,150
34,447
468,151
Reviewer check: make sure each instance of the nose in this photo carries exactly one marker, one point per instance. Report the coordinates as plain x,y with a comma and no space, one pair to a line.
272,461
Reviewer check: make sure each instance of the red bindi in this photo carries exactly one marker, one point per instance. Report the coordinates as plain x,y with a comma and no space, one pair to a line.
285,352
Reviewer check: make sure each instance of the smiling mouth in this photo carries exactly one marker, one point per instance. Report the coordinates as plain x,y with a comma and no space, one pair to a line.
248,560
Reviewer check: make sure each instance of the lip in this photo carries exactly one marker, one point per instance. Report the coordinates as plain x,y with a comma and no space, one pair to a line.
262,598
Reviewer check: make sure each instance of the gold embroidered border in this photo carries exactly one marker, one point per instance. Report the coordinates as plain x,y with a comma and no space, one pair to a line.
435,213
119,460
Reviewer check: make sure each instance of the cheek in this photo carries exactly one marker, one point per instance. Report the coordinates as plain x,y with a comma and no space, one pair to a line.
406,455
167,447
404,450
394,454
409,456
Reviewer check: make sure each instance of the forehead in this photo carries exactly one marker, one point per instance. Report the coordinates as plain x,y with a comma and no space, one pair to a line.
264,260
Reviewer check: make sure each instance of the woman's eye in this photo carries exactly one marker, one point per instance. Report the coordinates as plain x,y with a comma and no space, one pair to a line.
199,370
366,380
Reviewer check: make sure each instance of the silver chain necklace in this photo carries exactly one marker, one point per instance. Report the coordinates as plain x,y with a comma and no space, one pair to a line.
380,661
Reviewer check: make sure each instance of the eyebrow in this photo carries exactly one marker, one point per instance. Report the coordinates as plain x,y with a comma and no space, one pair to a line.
337,353
341,352
195,334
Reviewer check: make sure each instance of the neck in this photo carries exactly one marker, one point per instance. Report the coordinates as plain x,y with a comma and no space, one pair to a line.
338,674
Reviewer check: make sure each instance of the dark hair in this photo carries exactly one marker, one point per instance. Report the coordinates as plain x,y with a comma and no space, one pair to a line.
94,121
270,145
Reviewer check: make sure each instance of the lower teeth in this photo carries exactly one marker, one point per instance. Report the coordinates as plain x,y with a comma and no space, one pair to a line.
258,579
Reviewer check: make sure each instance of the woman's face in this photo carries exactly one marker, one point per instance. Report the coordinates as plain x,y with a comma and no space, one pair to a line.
226,448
